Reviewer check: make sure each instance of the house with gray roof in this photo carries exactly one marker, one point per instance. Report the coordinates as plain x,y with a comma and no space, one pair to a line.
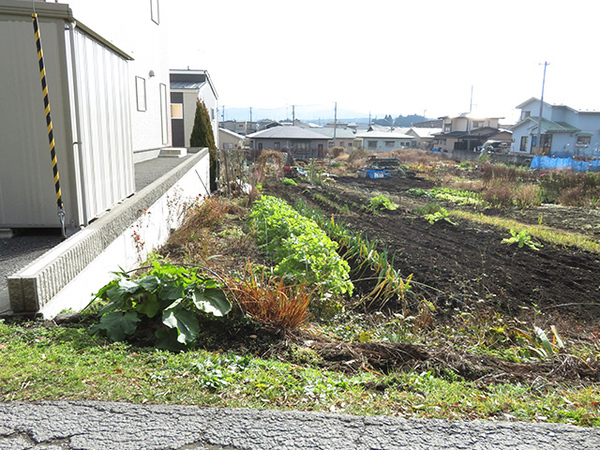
188,86
377,140
338,137
301,143
565,131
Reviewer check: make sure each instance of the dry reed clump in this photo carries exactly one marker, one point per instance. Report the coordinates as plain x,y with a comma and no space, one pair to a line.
494,172
527,195
268,300
499,194
416,157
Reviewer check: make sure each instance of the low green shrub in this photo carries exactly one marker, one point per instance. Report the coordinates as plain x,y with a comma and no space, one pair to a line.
301,250
169,300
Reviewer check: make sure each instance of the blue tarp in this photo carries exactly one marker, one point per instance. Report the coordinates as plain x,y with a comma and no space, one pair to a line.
545,162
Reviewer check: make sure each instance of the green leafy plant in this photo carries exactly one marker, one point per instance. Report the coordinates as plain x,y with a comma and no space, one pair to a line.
436,216
381,202
289,182
169,299
522,238
301,250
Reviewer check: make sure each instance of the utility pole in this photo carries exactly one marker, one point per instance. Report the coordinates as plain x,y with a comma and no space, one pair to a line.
250,128
335,125
293,114
539,134
223,115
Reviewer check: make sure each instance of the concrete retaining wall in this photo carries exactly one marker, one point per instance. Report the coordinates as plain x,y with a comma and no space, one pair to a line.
69,274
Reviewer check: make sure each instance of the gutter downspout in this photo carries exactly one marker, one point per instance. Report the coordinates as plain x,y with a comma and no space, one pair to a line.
78,143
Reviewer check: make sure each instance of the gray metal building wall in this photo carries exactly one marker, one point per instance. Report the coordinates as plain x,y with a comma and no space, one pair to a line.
89,100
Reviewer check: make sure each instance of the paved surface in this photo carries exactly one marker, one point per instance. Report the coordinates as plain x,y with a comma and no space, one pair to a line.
100,425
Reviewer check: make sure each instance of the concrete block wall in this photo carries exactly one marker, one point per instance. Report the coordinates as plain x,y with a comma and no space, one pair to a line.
69,274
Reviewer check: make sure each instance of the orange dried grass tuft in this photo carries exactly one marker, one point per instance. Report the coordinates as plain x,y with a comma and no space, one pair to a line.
268,300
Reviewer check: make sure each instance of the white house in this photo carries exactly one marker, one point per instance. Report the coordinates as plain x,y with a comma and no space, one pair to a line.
384,140
107,84
188,86
423,136
228,140
565,131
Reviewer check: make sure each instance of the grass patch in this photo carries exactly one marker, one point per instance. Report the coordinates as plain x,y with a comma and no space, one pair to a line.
41,363
547,234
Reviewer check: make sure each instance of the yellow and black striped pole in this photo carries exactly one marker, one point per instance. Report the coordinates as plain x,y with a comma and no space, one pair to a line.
38,42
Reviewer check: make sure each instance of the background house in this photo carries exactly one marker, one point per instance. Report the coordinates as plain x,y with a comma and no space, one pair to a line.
187,87
382,140
565,131
423,136
301,143
465,132
228,140
344,137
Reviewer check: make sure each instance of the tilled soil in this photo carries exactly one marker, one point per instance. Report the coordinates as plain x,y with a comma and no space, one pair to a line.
467,263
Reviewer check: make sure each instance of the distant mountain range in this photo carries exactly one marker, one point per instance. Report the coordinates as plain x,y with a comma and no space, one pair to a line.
318,116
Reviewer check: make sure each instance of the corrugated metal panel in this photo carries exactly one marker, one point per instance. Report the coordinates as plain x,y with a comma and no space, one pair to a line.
27,197
100,92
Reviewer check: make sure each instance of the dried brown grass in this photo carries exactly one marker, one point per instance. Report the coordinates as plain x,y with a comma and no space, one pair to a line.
268,300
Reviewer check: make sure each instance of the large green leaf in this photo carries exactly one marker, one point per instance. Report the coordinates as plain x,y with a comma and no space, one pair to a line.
166,339
148,305
212,301
170,292
150,283
118,325
183,320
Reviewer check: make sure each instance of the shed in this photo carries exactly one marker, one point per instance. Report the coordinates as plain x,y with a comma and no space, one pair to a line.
89,95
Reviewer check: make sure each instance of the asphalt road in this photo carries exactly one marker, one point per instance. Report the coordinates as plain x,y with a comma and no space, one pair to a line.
123,426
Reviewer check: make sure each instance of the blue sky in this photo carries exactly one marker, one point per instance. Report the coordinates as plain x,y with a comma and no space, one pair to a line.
390,56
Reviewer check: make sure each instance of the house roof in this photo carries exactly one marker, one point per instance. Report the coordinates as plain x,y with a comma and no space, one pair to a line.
340,133
549,125
191,79
424,132
287,132
382,134
231,133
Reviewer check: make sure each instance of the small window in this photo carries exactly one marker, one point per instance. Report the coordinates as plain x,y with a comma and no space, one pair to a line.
276,145
584,140
523,147
212,113
140,93
154,13
389,143
477,124
447,127
176,111
372,144
525,114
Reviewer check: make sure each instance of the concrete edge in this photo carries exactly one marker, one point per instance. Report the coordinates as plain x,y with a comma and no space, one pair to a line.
33,286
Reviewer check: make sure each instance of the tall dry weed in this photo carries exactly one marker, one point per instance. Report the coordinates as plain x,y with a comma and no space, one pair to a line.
268,300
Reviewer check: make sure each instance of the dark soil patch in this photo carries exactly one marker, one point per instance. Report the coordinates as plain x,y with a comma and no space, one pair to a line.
469,264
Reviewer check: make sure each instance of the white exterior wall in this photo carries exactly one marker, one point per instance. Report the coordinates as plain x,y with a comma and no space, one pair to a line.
129,26
102,127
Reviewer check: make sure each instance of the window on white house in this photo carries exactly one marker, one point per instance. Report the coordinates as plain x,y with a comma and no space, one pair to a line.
212,113
276,145
140,93
478,124
372,144
177,111
523,147
164,120
447,127
525,114
390,143
154,13
584,140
